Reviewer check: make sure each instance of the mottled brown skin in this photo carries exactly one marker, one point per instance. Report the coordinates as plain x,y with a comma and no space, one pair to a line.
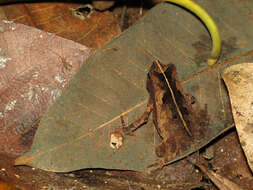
175,139
165,117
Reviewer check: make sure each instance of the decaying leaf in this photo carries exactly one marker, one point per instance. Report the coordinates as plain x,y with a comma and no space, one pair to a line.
76,131
35,67
239,81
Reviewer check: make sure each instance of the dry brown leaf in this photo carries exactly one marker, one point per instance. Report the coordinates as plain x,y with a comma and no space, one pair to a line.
35,67
68,20
239,81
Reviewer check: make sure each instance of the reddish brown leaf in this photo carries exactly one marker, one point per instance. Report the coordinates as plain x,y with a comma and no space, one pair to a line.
35,67
92,29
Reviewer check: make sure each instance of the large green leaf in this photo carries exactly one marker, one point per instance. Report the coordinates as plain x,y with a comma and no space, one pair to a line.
75,132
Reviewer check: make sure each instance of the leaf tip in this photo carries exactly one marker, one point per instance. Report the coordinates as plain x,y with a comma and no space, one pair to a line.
23,161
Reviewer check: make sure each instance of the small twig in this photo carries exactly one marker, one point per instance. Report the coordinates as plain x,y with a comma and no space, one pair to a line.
174,100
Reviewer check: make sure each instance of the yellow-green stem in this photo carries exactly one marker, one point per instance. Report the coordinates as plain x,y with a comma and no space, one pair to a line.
208,21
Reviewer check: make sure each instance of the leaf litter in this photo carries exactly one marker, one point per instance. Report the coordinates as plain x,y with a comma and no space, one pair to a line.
133,66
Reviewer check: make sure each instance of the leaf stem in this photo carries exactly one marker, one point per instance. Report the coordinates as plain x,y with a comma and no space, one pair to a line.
208,21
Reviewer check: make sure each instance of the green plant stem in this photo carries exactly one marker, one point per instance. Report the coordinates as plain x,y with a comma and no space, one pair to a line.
208,21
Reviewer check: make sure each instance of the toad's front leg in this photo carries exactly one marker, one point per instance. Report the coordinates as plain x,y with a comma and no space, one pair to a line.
141,121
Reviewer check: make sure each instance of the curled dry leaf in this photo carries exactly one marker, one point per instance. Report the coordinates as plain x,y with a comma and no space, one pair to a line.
239,81
35,67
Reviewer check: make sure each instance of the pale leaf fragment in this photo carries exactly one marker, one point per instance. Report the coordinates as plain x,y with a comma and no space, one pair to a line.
239,81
